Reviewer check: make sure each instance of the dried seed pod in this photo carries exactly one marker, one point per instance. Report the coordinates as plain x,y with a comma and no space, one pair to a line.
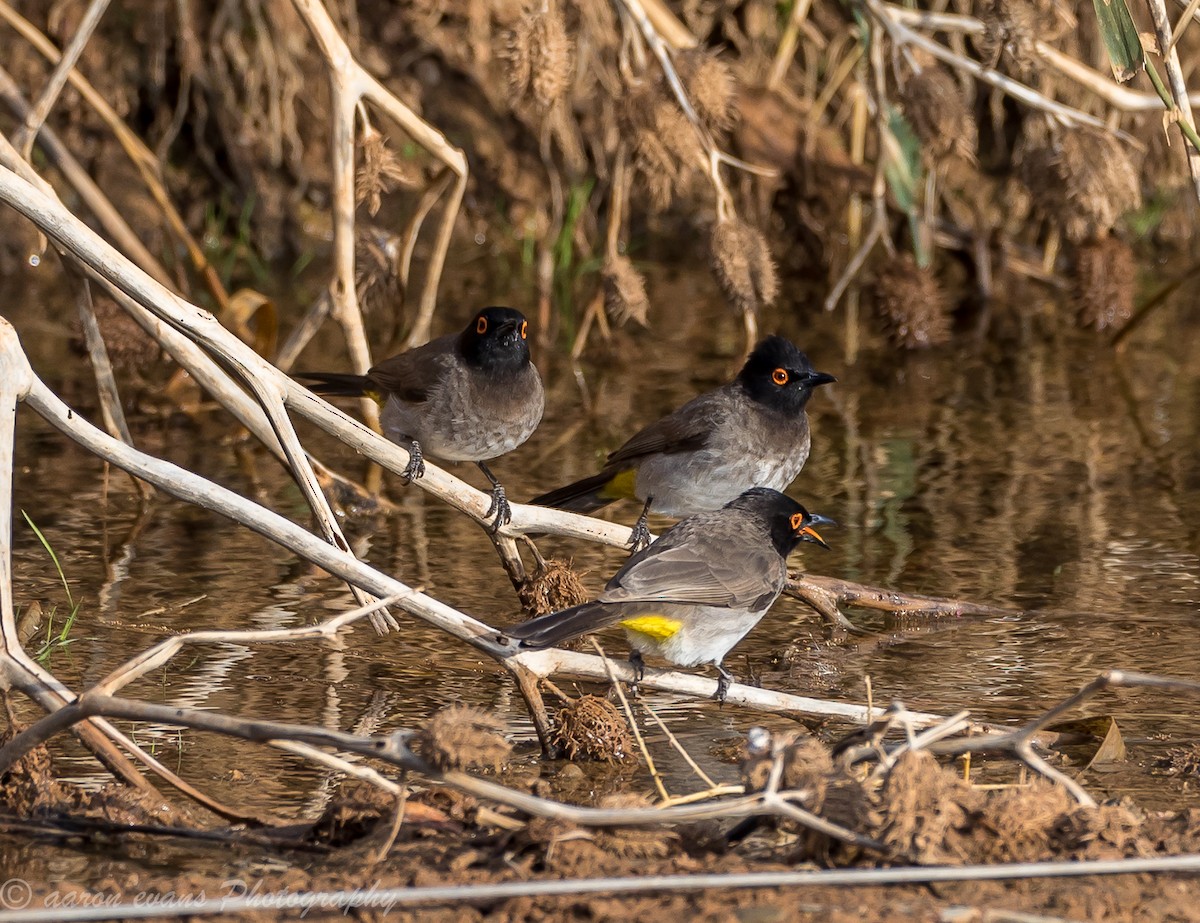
807,768
1082,178
1021,821
922,808
1010,34
130,349
666,149
710,87
912,304
379,171
743,264
934,104
552,587
539,59
1105,273
591,728
1099,179
460,736
377,269
633,842
625,291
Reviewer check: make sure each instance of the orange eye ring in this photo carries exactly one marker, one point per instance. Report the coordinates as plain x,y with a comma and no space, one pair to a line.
481,325
524,329
797,522
780,377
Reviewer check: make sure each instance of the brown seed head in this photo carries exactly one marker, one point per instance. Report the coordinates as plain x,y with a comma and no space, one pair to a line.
539,59
625,292
379,171
460,736
922,806
377,269
743,264
710,87
1105,277
1009,41
591,728
934,104
911,303
551,588
1099,180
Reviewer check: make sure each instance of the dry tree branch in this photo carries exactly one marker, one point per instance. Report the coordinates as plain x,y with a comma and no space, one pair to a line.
349,85
902,36
36,117
106,213
1114,94
1179,91
142,157
1019,742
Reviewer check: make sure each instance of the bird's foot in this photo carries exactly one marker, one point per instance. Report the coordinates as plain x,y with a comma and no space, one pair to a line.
638,665
725,679
639,670
415,469
639,538
500,508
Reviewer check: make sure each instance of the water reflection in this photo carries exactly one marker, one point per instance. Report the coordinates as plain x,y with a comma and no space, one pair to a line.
1040,472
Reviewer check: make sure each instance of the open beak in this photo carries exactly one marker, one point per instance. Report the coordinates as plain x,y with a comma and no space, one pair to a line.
808,534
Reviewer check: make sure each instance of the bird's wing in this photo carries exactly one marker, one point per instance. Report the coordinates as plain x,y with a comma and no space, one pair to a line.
413,374
683,430
730,571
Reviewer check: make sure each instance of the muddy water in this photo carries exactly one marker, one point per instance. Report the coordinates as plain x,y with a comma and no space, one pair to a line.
1037,471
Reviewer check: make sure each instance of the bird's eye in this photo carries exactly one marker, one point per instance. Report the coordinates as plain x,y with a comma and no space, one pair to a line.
797,522
481,325
524,329
780,376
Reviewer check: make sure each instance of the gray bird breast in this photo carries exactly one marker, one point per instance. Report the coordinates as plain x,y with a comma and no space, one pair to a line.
469,416
747,450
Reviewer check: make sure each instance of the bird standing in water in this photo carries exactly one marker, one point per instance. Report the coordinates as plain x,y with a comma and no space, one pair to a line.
698,590
751,432
470,396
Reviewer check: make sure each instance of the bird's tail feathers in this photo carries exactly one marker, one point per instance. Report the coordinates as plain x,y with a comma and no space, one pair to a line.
338,384
557,627
590,493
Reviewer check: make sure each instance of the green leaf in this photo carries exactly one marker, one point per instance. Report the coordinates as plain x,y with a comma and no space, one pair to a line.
902,160
1120,35
902,170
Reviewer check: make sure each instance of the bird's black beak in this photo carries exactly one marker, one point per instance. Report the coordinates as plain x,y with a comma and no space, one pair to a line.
812,379
807,533
506,330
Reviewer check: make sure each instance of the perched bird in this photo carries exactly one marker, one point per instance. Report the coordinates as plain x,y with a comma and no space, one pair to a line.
696,592
465,397
751,432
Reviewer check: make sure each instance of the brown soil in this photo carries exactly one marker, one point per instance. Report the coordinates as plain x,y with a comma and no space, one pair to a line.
919,809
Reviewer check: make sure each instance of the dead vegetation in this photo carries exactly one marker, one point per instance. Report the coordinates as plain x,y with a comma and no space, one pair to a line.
551,101
225,137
